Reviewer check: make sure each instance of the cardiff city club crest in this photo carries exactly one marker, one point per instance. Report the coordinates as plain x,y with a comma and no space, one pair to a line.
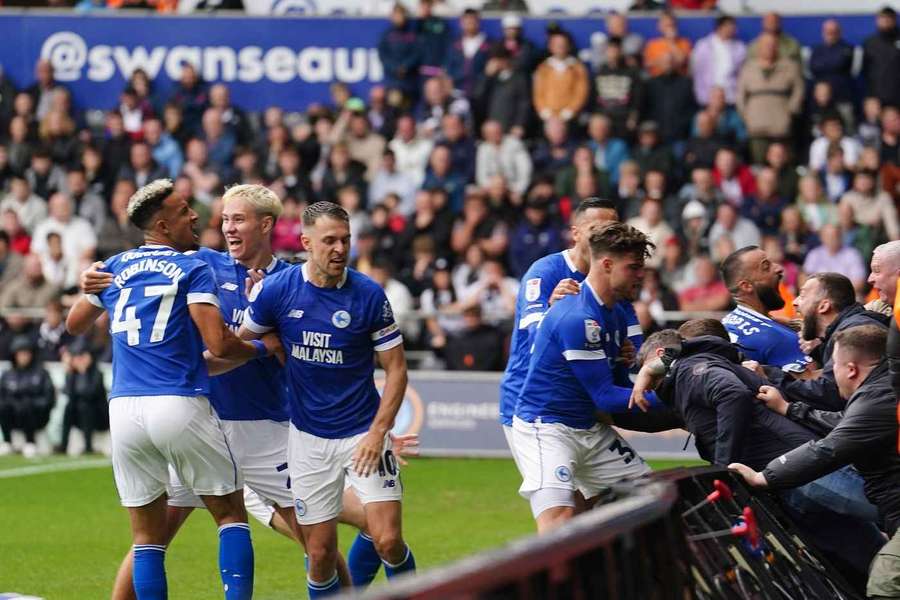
592,331
533,289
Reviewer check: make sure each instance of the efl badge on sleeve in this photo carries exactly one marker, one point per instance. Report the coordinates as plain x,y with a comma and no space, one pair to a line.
533,289
592,331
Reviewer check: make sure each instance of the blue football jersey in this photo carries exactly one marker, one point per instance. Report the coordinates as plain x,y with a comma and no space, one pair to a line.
765,340
255,391
532,302
157,349
570,372
330,336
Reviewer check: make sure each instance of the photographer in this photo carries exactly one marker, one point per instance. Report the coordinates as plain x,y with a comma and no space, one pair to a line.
27,396
87,407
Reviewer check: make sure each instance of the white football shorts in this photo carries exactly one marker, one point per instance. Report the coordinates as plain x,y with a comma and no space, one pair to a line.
553,455
319,468
508,434
149,433
260,450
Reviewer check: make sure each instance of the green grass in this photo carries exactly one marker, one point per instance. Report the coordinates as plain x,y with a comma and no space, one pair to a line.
62,534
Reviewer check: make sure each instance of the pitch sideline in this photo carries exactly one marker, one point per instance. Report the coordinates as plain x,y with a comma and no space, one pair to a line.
55,467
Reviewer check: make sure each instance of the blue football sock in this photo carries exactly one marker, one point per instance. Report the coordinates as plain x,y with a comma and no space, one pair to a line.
236,561
363,561
149,572
321,590
404,566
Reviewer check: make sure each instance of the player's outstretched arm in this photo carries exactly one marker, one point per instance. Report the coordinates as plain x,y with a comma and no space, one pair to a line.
219,340
368,451
82,316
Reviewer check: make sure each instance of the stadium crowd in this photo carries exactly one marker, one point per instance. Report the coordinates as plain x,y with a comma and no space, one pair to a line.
464,167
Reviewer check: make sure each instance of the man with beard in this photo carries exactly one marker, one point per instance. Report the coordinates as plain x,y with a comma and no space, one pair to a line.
752,278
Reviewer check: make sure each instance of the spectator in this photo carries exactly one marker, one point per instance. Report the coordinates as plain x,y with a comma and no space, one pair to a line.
78,238
115,147
7,95
477,346
833,134
10,261
233,117
834,256
651,153
441,176
27,396
439,305
164,150
609,152
770,95
19,147
560,82
618,89
701,189
476,225
462,148
708,292
382,116
438,101
220,141
32,290
292,177
700,150
794,238
191,97
133,112
84,387
889,143
429,220
434,38
717,60
503,93
43,176
52,334
19,240
29,208
815,208
502,155
494,293
468,55
870,211
733,179
400,52
868,130
389,180
206,180
650,221
142,169
742,231
669,45
655,298
525,56
118,233
729,125
582,165
399,297
342,171
59,270
881,59
417,273
554,151
41,91
788,46
364,145
88,204
616,29
832,62
57,135
277,139
628,193
835,177
669,101
536,235
765,208
411,151
778,159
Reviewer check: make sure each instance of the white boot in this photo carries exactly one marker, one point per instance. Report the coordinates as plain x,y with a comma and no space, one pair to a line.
5,449
29,450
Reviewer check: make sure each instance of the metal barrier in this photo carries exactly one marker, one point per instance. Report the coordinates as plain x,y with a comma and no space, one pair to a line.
660,542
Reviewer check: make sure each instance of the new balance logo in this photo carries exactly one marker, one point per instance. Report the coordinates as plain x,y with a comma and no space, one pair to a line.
228,286
388,484
295,314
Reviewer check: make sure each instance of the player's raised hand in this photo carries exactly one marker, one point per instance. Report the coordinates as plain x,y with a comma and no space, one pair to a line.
94,280
807,346
566,287
752,478
367,454
405,445
273,344
627,353
773,399
254,276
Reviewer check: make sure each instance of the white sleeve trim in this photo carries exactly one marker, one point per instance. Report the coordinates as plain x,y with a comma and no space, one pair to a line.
634,330
94,299
584,354
384,332
254,326
528,319
202,298
389,344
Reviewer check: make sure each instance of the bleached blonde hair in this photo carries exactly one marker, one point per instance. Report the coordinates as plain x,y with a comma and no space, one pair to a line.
144,203
264,201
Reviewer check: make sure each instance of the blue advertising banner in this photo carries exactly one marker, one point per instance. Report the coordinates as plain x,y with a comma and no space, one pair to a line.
283,61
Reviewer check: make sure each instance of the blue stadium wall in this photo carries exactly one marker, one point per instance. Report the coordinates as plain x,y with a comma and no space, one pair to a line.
283,61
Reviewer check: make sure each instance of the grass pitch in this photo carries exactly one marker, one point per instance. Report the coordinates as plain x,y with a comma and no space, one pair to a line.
63,533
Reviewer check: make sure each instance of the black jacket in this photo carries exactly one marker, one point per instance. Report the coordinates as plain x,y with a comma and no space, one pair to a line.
716,397
881,63
28,389
865,436
822,393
